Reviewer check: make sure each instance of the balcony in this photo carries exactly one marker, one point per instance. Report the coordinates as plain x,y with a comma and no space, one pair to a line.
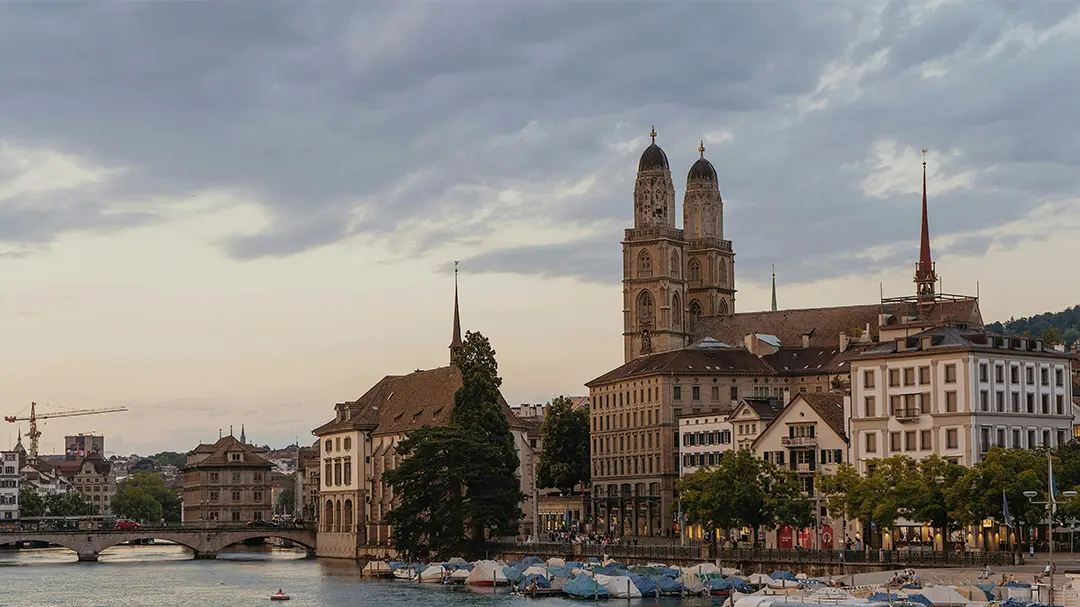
802,468
798,441
905,414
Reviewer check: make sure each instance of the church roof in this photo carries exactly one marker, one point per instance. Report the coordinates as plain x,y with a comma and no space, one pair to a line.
824,324
401,403
653,158
701,170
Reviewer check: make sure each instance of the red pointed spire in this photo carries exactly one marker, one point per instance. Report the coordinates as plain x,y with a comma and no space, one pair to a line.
925,277
455,340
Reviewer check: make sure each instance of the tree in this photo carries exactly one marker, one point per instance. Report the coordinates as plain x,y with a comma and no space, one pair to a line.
977,494
71,503
458,484
144,497
30,503
840,489
743,491
286,501
564,462
169,458
1051,337
881,497
927,497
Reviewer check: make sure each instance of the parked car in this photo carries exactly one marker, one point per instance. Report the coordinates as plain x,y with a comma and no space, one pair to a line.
262,523
127,525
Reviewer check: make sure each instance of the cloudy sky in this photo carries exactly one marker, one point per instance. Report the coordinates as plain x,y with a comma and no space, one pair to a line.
219,213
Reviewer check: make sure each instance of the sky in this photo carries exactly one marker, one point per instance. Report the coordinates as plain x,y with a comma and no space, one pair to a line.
215,215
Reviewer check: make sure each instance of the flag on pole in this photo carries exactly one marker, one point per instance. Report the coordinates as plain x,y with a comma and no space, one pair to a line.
1005,510
1053,483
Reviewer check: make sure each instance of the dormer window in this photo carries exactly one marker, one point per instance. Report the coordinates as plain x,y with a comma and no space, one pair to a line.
236,457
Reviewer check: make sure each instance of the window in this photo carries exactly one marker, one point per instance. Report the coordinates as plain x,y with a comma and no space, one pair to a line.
215,496
924,375
236,477
871,443
678,393
734,393
894,378
984,372
675,266
1014,374
1060,437
645,310
1046,404
257,496
1031,439
999,373
984,444
1015,402
329,476
909,440
236,517
1046,438
348,471
348,443
1001,437
1058,378
258,477
1015,438
1044,376
1060,409
644,265
1030,403
235,457
1030,373
909,376
951,439
868,379
924,440
676,312
894,442
695,393
950,374
950,402
236,496
716,393
329,444
695,270
870,407
999,400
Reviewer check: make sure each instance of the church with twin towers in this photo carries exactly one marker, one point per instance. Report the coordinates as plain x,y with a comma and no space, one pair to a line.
673,277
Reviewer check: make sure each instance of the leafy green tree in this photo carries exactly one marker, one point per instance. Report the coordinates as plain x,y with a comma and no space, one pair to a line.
881,498
71,503
1051,337
144,497
169,458
840,489
743,491
30,503
927,496
286,501
459,483
977,494
564,462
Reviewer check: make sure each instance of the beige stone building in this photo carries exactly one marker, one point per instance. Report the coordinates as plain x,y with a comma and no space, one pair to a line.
227,482
360,444
93,477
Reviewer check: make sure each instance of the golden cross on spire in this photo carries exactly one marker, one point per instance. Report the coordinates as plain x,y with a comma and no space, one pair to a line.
701,148
652,133
924,156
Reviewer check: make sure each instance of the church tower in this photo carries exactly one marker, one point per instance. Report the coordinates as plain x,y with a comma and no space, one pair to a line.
925,274
710,269
654,258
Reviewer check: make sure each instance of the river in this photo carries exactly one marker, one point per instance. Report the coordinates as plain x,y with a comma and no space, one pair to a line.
160,575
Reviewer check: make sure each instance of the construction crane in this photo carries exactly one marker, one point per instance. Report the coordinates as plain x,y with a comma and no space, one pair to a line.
34,434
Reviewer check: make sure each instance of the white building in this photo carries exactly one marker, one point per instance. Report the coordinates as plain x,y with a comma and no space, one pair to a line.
703,440
957,393
9,487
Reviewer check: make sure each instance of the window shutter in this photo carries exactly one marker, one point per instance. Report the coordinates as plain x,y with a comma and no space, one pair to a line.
811,431
791,431
839,456
823,457
812,464
780,459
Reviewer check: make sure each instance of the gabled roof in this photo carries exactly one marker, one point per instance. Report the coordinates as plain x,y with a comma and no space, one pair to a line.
401,403
218,455
823,324
765,408
829,407
692,360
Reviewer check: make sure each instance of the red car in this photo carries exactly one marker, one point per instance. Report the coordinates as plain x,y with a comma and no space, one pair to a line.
127,525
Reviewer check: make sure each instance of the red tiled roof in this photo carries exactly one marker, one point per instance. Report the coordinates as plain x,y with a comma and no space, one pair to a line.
254,457
825,324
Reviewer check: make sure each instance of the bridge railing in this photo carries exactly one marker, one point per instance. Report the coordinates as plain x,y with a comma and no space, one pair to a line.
23,529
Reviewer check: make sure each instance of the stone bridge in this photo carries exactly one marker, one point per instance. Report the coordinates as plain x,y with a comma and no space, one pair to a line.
205,543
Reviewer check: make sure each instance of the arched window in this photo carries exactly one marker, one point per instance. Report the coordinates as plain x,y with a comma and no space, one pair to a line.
723,272
645,310
723,308
348,526
644,265
695,313
676,269
337,517
328,517
695,270
676,312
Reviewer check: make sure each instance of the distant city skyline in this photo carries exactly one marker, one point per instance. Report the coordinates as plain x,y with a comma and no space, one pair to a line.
251,229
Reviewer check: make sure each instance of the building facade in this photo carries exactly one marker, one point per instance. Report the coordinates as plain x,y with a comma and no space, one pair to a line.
93,477
10,465
227,482
81,445
308,470
957,393
704,439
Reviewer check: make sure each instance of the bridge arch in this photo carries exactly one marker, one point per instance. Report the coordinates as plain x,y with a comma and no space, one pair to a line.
299,537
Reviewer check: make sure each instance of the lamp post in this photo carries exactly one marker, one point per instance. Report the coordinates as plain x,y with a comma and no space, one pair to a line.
1051,507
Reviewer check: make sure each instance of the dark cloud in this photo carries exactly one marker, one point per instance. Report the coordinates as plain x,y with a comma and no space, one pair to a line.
349,119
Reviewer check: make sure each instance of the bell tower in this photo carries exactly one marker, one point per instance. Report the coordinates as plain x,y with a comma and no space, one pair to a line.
654,263
925,274
710,270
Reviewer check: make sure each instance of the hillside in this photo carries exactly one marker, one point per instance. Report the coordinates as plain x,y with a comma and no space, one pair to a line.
1065,326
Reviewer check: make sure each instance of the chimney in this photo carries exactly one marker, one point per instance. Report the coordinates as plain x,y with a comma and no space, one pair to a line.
1038,345
805,340
844,341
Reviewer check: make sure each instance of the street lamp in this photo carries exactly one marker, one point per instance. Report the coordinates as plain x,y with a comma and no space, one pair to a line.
1051,506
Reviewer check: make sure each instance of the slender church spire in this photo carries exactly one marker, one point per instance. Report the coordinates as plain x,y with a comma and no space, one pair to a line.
925,277
455,340
774,287
243,436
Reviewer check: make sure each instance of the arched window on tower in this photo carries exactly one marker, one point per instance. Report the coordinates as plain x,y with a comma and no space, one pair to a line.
676,269
723,272
723,308
695,270
644,265
646,311
676,312
695,314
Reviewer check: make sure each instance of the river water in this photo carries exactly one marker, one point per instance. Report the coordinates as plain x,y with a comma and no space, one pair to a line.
165,575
